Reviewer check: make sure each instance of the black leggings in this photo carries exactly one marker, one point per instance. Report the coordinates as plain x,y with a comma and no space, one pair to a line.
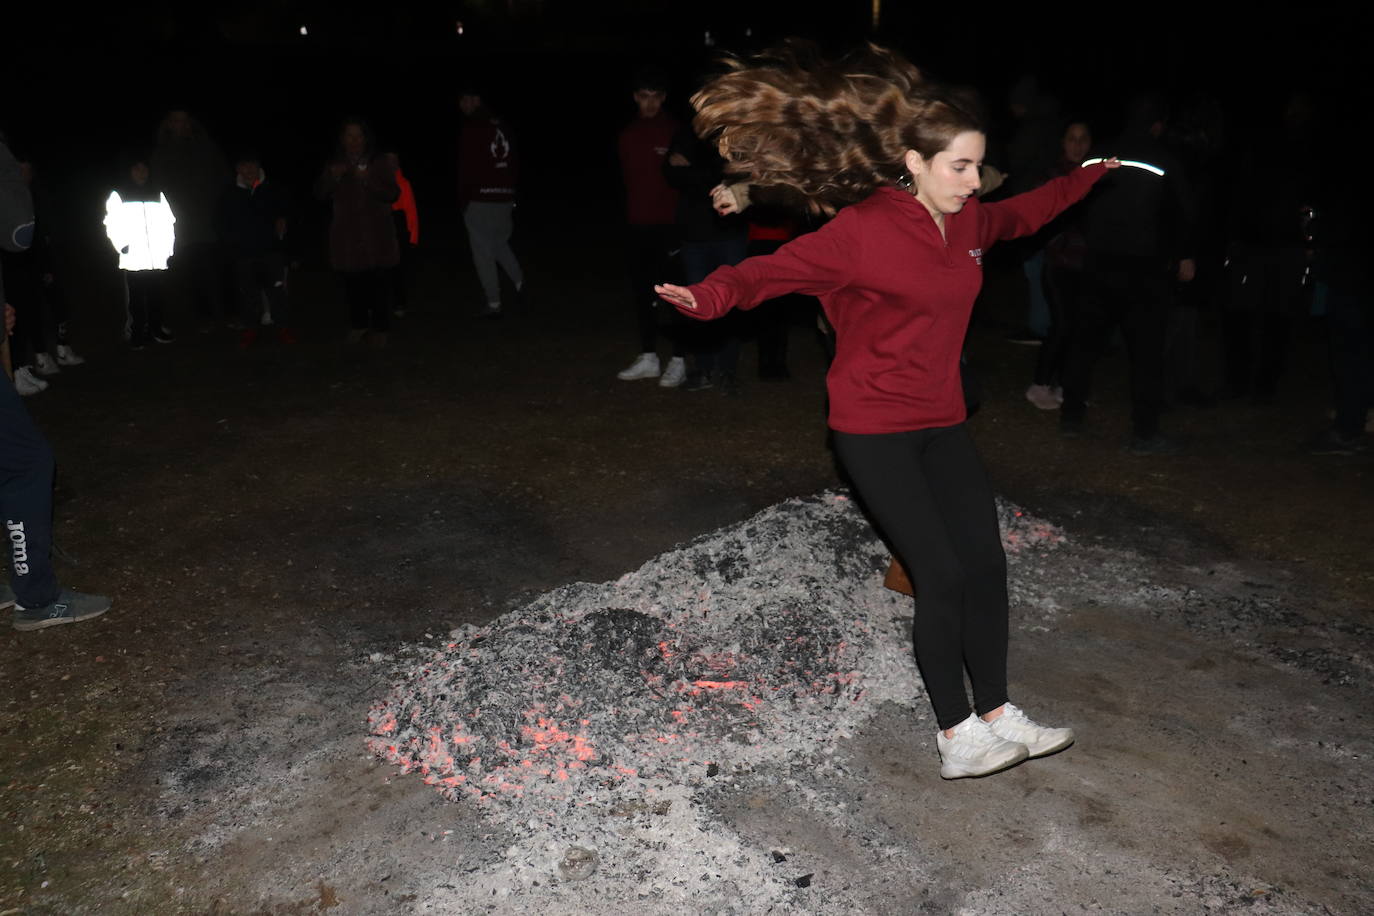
929,495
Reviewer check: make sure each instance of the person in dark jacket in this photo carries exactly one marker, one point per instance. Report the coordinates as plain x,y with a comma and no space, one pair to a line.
361,185
253,223
1137,230
488,174
1342,239
709,240
1268,257
192,169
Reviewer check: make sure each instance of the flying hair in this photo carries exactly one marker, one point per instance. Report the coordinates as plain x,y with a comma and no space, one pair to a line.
831,130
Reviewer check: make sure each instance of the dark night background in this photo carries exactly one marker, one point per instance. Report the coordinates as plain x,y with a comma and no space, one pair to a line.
86,88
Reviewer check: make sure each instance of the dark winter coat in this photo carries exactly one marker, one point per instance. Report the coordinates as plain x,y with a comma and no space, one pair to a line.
697,220
248,218
192,171
362,235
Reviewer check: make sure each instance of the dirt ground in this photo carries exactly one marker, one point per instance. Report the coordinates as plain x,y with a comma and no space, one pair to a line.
278,527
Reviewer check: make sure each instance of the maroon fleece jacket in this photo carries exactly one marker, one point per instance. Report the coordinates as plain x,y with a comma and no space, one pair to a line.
643,145
898,295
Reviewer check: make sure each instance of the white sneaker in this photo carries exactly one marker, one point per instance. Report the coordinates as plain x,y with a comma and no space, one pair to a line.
674,374
644,366
975,750
1012,725
1042,396
66,356
26,383
44,364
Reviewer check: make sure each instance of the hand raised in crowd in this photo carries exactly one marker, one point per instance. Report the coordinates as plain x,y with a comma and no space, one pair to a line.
677,296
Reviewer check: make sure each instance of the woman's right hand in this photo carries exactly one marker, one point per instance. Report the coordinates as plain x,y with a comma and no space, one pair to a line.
337,170
677,296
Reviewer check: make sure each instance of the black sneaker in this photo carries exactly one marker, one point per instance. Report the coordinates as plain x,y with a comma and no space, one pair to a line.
1154,445
1026,337
1331,442
6,597
163,336
697,381
69,607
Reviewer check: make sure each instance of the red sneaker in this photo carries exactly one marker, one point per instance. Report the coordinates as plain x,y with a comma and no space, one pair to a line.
247,339
286,335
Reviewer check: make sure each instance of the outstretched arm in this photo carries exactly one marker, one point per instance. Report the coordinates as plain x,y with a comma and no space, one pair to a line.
815,263
1024,214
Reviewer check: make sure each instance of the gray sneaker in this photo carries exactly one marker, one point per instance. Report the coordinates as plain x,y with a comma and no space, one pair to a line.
69,607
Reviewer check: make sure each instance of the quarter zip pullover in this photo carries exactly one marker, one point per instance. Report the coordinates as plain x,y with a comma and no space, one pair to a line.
897,292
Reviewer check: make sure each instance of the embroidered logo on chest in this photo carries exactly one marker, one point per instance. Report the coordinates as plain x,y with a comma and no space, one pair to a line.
977,255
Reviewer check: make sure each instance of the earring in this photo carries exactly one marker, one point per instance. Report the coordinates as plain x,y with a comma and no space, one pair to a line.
905,181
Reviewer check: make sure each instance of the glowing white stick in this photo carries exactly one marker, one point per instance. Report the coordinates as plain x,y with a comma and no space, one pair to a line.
1131,164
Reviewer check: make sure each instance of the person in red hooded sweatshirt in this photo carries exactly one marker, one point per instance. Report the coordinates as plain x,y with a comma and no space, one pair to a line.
652,234
488,171
897,271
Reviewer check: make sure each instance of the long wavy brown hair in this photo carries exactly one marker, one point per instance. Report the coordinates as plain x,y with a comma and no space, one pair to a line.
831,130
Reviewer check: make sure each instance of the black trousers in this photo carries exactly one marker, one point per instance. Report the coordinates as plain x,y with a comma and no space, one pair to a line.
145,290
198,276
1063,287
650,252
367,298
1132,294
26,475
929,495
260,276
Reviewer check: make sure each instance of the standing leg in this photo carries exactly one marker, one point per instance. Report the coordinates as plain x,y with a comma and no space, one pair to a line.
501,225
136,294
1145,299
355,291
1096,319
888,471
476,217
26,475
250,302
968,513
379,315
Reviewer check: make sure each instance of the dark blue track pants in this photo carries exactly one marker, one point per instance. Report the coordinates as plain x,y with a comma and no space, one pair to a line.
26,475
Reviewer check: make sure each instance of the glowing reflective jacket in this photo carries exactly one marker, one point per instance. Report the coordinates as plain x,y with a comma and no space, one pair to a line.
140,230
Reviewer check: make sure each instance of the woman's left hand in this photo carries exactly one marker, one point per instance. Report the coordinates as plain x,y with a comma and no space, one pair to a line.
1112,163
